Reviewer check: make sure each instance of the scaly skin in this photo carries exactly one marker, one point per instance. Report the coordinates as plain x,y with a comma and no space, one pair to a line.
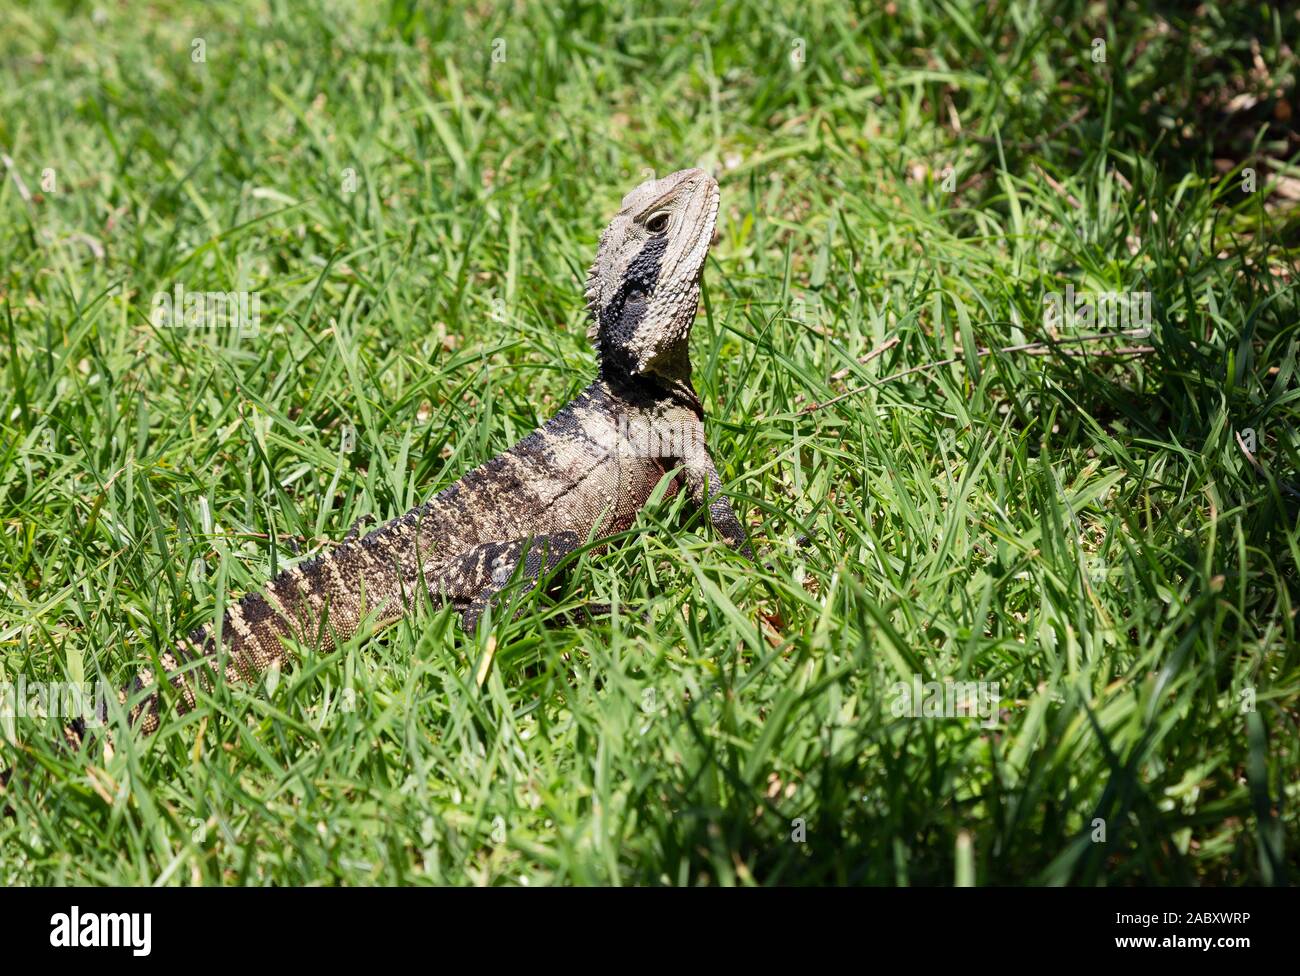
583,476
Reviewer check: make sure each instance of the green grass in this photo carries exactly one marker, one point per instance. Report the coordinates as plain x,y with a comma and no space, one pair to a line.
1082,530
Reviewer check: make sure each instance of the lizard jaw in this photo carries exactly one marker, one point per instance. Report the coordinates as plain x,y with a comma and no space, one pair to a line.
644,288
668,268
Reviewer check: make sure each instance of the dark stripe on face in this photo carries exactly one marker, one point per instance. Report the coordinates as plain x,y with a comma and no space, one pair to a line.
623,313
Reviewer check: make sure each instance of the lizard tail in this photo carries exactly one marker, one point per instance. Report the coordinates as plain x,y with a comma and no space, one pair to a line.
314,604
317,603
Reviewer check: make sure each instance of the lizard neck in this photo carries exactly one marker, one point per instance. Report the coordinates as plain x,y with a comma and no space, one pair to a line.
641,391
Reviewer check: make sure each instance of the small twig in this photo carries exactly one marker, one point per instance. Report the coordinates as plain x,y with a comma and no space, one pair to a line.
888,344
1074,340
18,180
1260,469
1058,188
1121,351
884,347
1042,348
1034,144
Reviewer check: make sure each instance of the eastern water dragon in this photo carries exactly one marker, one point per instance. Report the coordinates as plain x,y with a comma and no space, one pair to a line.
581,477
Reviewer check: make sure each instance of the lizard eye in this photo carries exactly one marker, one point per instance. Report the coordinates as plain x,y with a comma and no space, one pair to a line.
658,222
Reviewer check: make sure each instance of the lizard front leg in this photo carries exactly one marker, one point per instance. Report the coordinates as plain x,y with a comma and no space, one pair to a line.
704,485
474,580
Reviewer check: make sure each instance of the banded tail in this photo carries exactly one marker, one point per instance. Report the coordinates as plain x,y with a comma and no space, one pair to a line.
319,603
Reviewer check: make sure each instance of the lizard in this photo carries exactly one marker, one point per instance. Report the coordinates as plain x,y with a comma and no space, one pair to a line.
580,477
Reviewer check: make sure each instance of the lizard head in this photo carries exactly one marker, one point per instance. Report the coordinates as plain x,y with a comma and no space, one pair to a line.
644,288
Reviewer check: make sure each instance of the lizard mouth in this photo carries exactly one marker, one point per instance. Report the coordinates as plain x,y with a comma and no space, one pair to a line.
708,233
